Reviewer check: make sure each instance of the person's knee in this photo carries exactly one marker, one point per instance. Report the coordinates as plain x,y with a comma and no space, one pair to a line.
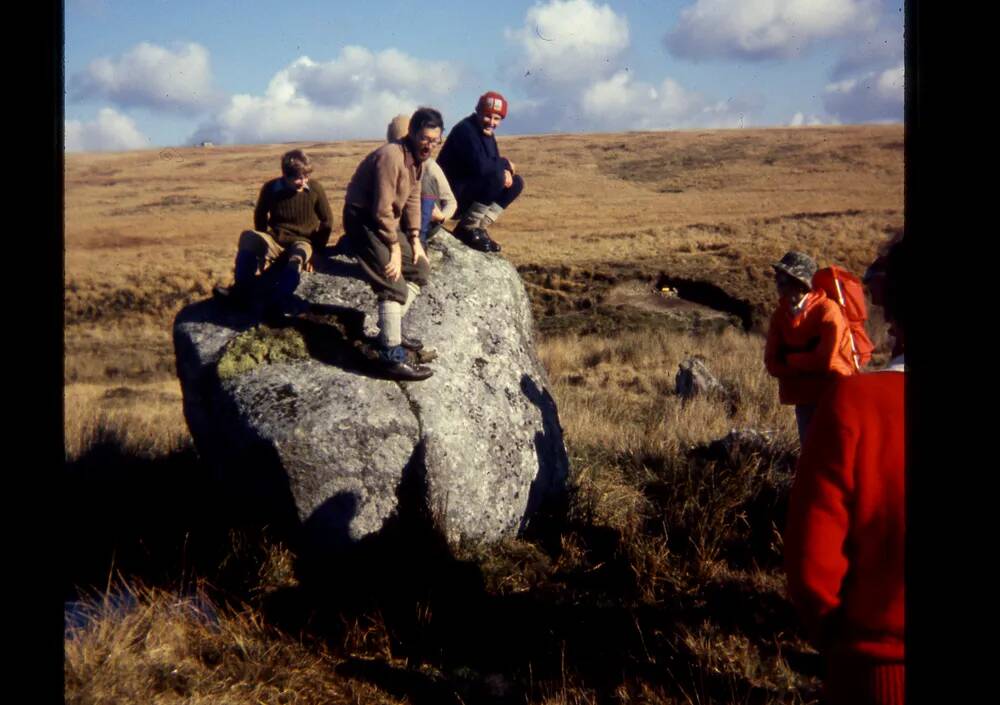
397,292
299,256
252,241
515,188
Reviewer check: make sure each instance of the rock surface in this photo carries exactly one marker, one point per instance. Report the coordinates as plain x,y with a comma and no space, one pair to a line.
694,378
325,441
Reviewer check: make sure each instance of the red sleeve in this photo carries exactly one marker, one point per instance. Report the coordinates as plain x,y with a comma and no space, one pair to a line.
818,511
831,330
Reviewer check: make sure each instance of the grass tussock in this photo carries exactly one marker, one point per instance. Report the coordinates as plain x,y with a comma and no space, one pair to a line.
145,420
145,645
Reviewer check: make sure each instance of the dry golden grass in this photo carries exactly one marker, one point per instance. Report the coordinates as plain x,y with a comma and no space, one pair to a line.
144,645
147,418
618,394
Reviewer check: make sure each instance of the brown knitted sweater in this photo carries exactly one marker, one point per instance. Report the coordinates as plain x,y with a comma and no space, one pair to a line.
386,185
293,216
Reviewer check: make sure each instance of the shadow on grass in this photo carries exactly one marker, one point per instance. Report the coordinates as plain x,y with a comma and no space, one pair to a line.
399,610
151,516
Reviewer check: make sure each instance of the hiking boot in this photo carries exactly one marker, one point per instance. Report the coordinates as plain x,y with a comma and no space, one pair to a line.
475,238
395,365
414,344
492,244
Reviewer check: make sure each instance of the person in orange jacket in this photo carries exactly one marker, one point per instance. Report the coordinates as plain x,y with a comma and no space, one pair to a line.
808,340
844,536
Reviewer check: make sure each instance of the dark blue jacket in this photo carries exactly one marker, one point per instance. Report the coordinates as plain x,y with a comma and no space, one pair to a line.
469,157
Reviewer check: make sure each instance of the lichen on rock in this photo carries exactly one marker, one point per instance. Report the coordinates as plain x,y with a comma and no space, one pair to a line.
258,345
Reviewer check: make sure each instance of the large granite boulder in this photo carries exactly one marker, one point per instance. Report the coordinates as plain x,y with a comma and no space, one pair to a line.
297,419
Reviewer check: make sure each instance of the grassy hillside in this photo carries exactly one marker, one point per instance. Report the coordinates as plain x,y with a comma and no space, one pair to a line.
662,586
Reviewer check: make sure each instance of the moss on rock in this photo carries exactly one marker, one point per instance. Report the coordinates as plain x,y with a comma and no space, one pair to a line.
261,344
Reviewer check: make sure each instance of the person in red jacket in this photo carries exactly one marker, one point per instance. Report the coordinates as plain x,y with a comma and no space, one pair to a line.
844,535
808,340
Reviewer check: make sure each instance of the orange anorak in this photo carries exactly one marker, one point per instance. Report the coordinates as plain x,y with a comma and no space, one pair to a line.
816,345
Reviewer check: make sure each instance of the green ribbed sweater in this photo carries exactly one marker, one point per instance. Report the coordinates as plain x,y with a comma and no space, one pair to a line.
291,215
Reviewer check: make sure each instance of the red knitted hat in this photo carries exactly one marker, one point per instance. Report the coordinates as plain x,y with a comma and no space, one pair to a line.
492,102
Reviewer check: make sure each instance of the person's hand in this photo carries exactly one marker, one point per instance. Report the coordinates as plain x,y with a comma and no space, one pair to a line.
508,179
436,215
418,251
394,269
511,165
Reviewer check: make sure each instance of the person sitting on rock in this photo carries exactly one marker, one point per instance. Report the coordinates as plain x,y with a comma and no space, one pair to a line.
844,538
437,202
382,225
291,220
484,182
808,340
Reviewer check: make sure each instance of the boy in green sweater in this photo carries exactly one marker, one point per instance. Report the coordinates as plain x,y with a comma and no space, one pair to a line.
291,219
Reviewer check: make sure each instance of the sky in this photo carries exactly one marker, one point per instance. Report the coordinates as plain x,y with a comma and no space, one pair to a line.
143,74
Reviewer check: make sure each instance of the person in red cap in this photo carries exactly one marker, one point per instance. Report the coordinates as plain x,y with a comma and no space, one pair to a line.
483,182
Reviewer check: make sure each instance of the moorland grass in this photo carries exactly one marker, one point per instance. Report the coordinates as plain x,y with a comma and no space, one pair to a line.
660,584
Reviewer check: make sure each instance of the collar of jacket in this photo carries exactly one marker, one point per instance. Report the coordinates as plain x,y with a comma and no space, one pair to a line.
282,185
810,300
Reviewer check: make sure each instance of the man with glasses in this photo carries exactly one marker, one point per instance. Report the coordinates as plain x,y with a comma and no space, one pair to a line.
382,222
484,182
437,202
291,219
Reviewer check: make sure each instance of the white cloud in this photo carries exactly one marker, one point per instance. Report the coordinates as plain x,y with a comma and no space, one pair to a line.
802,120
353,96
110,132
358,72
765,29
569,40
875,97
150,76
619,103
880,49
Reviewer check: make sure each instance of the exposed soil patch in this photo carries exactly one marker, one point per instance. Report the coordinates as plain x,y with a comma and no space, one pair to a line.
706,295
606,300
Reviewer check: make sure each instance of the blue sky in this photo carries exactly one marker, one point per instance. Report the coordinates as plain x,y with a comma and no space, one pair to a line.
151,73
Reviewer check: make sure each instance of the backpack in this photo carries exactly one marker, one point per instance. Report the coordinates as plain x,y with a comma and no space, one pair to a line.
846,289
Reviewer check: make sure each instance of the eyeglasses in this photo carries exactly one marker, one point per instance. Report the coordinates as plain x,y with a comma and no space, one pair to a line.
431,141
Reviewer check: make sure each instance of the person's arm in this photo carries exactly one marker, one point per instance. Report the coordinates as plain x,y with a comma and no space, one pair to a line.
447,203
261,210
410,220
387,174
773,349
819,514
832,328
325,215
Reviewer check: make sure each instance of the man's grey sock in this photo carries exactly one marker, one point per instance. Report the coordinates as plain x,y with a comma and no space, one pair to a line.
412,291
491,215
390,322
473,217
